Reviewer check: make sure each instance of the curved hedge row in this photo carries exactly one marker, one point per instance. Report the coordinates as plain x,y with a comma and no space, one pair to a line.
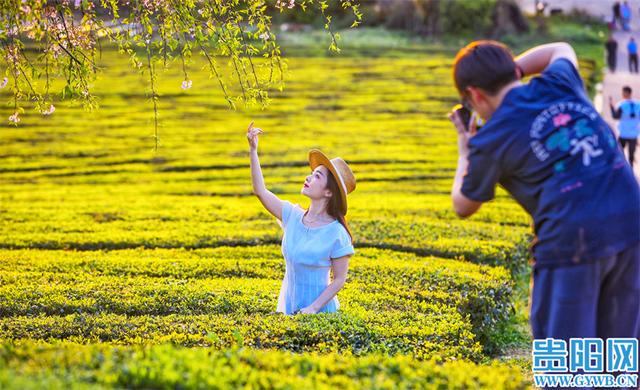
430,232
393,302
442,334
33,365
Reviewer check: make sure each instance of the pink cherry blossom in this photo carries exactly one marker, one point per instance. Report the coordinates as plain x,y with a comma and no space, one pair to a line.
186,84
4,82
13,54
283,3
264,35
50,12
14,118
49,110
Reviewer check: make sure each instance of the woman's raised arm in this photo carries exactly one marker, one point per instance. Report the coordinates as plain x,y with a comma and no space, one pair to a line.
269,200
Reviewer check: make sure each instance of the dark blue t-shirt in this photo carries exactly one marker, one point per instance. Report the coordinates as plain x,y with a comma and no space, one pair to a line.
550,149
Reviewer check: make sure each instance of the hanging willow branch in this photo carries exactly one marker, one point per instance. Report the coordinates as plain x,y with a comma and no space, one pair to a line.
66,36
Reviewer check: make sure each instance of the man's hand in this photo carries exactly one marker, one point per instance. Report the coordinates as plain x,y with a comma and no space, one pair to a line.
463,206
463,134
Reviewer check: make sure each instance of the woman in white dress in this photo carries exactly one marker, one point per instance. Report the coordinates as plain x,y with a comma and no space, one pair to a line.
317,240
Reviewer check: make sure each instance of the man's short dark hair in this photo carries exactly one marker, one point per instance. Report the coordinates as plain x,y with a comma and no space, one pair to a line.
626,89
484,64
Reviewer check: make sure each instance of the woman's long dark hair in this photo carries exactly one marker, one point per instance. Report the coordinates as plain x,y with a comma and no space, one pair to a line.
333,208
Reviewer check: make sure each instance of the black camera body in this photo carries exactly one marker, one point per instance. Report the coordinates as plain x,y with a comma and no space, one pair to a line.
465,115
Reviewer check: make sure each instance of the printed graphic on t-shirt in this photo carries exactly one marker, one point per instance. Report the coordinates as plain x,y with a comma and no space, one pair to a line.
576,131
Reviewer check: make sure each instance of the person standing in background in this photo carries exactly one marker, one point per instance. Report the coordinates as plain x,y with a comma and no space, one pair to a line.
612,53
616,14
625,13
627,111
632,49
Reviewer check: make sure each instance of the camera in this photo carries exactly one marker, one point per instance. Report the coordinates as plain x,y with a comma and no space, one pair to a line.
465,116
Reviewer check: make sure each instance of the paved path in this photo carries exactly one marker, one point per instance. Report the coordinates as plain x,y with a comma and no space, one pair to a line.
614,81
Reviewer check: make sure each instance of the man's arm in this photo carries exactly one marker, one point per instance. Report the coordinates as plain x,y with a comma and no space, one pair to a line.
536,59
616,113
462,205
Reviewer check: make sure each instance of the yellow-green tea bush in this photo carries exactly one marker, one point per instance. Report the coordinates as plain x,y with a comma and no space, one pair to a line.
393,302
60,365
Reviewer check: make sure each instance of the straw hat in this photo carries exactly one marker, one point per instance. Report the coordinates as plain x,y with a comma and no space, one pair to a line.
340,171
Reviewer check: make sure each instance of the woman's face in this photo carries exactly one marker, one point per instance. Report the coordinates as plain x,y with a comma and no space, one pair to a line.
315,185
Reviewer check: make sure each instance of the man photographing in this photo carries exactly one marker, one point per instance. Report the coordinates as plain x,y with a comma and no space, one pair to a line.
544,142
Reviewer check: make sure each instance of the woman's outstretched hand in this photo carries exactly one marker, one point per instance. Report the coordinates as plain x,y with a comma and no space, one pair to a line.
306,310
252,136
